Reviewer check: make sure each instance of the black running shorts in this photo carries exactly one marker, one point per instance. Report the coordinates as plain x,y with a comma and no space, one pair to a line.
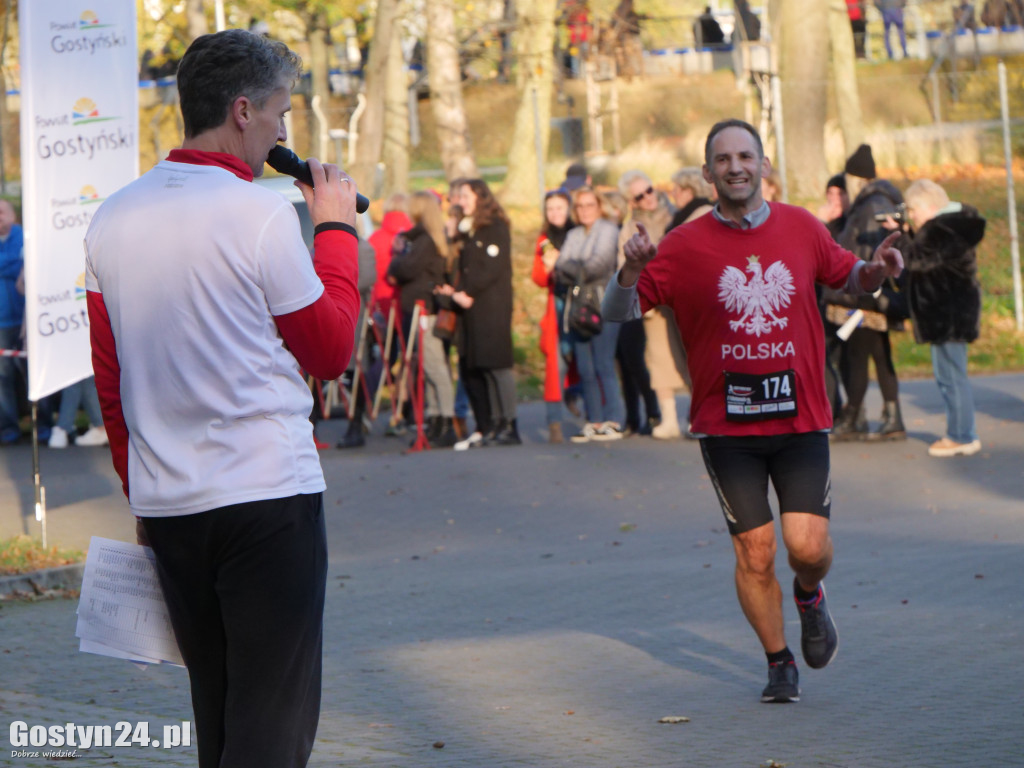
739,467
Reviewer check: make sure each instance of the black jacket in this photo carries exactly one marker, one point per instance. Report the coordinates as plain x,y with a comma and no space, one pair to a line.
942,281
485,273
417,268
684,213
862,235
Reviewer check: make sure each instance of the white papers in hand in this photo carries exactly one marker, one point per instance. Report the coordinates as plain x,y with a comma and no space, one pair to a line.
121,611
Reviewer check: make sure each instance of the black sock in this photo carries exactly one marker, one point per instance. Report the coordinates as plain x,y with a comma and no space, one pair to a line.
784,656
801,593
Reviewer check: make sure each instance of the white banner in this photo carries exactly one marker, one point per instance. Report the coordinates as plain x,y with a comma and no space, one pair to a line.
79,143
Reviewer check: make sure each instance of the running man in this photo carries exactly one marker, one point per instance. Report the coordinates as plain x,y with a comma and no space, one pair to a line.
740,282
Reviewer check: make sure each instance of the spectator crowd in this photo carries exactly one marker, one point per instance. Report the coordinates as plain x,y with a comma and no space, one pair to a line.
448,259
436,277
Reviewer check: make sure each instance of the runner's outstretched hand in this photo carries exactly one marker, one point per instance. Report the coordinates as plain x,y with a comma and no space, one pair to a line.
638,250
887,261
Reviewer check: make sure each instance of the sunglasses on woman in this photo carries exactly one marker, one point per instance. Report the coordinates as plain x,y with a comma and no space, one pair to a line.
642,195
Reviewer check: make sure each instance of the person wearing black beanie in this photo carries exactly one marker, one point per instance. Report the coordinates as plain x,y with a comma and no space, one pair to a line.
861,163
861,233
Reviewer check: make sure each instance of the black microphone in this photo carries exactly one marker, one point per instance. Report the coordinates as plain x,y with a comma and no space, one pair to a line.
283,160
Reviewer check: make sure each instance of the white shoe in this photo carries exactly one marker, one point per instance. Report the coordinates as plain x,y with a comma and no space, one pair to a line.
473,441
94,436
945,448
609,430
58,438
587,434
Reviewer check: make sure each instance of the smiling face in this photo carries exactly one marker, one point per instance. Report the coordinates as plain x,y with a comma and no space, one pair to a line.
556,210
735,167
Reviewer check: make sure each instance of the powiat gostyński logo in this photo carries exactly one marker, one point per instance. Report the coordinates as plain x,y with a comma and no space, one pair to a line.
759,299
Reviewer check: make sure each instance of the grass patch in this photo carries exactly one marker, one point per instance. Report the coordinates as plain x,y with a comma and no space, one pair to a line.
23,554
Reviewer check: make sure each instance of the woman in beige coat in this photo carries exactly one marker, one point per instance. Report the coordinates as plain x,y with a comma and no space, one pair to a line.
665,355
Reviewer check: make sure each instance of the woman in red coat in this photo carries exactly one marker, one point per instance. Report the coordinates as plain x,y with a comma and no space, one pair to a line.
557,223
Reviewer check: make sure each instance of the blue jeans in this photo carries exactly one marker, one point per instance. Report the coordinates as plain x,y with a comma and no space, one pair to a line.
81,393
11,370
595,361
949,362
893,17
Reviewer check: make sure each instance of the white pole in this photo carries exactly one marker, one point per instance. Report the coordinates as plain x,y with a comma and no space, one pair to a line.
1011,200
40,491
219,15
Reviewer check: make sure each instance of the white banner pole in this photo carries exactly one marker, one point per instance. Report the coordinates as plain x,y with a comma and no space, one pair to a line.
79,143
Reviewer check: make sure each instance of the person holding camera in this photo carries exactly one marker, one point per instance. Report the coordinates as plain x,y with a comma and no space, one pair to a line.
878,313
945,301
204,308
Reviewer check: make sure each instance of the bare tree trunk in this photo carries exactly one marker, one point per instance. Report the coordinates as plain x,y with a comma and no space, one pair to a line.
371,124
195,19
535,38
395,152
445,79
803,66
844,75
315,19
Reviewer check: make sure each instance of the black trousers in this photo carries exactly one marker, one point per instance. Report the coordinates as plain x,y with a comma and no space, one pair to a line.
474,381
865,344
636,379
245,586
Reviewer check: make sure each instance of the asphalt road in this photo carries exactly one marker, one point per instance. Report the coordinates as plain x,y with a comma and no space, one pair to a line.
547,605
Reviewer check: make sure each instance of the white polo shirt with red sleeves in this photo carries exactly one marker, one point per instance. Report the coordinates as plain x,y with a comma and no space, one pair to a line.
193,263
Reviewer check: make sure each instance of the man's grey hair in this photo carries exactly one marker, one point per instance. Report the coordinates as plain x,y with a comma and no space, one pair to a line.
718,127
218,68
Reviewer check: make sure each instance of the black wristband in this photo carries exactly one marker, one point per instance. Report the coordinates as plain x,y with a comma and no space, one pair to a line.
328,226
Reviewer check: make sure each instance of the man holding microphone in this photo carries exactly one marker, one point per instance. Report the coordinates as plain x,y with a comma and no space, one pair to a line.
204,305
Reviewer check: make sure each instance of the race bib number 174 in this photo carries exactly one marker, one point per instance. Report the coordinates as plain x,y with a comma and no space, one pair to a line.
760,396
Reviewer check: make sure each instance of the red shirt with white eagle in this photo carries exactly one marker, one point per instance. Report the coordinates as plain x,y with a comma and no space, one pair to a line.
744,301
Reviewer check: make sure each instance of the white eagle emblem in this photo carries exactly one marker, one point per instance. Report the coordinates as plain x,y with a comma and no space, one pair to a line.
758,300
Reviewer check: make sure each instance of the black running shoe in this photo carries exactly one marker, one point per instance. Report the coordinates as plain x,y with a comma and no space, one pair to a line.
783,684
819,639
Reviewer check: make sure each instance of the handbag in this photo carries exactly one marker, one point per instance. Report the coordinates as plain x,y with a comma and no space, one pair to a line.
445,318
444,324
583,311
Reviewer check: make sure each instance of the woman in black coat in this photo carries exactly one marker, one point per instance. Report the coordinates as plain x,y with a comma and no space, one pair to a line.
483,295
945,302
